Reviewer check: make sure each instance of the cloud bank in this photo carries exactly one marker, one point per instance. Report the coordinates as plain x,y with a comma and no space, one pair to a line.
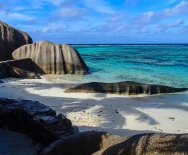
99,21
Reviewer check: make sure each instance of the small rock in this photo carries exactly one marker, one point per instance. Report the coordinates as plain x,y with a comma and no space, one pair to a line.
172,118
116,111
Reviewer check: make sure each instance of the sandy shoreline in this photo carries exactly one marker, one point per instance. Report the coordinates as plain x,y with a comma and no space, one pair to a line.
117,114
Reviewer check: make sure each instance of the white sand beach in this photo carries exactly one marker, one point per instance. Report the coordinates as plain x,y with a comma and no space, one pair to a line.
118,114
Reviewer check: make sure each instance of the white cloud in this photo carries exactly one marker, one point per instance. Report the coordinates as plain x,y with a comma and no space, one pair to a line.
20,16
45,29
71,12
55,2
117,17
100,6
182,7
163,27
132,2
37,4
54,27
151,17
184,30
14,16
172,1
171,25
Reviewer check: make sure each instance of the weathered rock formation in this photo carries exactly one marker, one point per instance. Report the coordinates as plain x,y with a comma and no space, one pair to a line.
24,68
84,143
150,144
11,39
20,73
128,88
33,119
53,58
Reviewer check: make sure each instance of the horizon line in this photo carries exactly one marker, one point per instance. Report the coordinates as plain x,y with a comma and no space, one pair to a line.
127,43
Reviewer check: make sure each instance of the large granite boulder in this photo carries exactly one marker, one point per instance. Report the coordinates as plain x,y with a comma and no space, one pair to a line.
53,58
127,88
23,68
150,144
11,39
33,119
84,143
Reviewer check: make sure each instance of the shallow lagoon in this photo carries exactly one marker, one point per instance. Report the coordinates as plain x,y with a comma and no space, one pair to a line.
156,64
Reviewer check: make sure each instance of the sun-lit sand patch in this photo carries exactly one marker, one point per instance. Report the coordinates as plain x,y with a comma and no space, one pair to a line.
115,113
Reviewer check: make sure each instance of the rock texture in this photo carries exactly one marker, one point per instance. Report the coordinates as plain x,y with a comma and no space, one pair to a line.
11,39
128,88
84,143
12,143
24,68
20,73
150,144
53,58
33,119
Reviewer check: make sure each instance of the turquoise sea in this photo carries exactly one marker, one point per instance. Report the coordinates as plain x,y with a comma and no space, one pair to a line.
156,64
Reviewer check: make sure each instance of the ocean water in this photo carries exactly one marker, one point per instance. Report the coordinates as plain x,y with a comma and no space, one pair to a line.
154,64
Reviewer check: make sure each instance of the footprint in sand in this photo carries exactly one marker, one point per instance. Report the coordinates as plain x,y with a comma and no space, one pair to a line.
158,129
116,111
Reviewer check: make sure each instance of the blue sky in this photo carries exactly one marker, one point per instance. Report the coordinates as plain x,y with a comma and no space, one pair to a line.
99,21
